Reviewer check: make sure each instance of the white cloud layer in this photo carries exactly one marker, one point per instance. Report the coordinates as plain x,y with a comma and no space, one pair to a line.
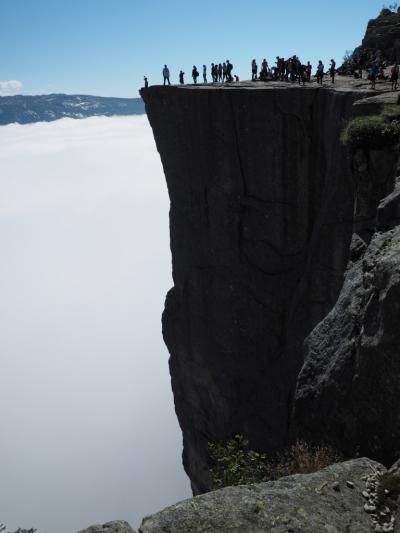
10,87
88,432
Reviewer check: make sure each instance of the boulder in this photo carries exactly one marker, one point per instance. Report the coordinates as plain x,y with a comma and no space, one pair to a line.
118,526
330,500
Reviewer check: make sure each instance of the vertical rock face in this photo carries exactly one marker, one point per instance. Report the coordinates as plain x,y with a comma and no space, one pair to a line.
261,221
348,389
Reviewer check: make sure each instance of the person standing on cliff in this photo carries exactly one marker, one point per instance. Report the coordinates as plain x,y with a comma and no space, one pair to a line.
213,72
394,78
166,75
229,68
220,72
204,74
372,74
332,70
224,71
308,71
195,74
146,82
181,78
320,72
254,70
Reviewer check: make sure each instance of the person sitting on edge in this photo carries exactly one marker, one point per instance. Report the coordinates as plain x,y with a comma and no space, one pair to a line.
394,78
320,72
204,74
181,79
332,70
166,75
195,74
236,78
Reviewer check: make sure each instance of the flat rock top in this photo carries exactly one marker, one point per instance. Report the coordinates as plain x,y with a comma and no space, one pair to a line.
329,501
342,84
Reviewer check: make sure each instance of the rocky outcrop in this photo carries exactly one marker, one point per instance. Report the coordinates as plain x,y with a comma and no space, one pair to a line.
332,500
261,220
382,39
348,392
117,526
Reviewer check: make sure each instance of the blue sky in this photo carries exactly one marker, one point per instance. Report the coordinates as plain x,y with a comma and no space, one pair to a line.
105,47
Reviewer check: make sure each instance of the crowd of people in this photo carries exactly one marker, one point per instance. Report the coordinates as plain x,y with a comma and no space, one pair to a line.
288,70
291,69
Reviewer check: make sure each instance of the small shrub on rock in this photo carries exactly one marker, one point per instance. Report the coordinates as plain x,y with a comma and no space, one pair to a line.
303,458
372,132
234,463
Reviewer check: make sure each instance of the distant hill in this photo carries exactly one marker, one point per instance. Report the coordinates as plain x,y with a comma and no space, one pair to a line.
28,109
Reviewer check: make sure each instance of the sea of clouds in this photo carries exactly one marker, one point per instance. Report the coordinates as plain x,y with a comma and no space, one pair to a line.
88,431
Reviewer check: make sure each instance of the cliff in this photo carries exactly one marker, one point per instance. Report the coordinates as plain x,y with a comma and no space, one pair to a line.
382,39
262,210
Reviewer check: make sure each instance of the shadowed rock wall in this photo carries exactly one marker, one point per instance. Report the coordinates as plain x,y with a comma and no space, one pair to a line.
261,221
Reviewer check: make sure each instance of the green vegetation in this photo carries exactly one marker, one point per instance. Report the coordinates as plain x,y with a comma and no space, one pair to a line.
375,131
234,463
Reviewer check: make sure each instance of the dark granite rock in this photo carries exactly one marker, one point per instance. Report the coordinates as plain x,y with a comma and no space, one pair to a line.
117,526
348,390
262,199
382,39
388,214
308,503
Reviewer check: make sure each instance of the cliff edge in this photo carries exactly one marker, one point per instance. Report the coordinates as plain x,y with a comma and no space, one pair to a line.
262,215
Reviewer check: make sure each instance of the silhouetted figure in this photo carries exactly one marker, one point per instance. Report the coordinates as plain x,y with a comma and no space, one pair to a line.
204,74
195,74
372,75
166,75
181,77
320,72
236,78
264,70
280,68
220,72
254,70
213,73
229,68
301,74
332,70
146,83
308,71
224,72
394,78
